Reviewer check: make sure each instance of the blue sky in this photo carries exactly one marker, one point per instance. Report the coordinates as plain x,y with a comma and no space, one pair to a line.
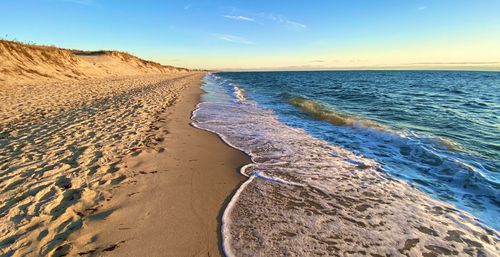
267,34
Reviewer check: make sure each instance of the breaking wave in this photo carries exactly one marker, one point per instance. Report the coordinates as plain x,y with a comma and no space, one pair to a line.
339,119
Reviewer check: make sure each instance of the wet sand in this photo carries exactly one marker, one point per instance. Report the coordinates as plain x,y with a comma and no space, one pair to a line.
173,204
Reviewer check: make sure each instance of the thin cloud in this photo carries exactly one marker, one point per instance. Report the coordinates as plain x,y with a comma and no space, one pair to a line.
451,63
233,39
318,61
239,18
421,8
187,7
285,21
276,18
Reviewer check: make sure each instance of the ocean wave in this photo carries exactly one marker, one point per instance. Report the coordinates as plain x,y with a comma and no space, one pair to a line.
435,164
322,112
319,111
307,196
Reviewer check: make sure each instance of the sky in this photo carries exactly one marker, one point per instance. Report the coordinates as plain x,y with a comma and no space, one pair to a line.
272,34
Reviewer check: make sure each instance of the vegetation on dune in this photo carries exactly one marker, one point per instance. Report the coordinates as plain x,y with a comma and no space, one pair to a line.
20,61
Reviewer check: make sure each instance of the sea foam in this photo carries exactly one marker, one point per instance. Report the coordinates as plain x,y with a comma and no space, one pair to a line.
305,196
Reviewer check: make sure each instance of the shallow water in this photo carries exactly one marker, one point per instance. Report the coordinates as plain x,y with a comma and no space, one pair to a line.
326,179
438,130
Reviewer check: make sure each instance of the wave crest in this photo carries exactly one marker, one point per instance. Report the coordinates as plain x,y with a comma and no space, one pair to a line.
319,111
239,93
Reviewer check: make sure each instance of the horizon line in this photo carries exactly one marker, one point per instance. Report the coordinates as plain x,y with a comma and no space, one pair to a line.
364,68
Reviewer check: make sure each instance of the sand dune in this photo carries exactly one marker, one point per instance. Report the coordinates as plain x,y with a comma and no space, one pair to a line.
27,64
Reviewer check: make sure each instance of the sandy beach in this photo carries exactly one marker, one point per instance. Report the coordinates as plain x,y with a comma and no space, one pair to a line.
106,162
173,204
249,128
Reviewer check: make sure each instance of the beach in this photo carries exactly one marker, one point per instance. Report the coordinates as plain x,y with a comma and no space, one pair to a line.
77,154
173,206
106,154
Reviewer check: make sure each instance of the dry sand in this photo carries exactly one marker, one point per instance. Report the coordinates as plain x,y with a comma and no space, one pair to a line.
62,155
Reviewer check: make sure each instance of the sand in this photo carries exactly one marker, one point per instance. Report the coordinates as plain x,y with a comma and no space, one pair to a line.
62,164
22,64
175,207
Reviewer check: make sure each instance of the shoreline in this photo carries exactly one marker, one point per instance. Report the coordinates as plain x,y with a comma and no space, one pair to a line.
174,207
309,196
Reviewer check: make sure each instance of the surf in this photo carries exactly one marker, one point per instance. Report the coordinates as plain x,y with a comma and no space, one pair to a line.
385,118
309,195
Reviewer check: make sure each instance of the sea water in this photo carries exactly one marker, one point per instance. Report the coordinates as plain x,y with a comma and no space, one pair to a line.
360,162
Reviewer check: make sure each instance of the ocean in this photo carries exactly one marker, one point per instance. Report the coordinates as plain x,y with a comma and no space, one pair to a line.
360,162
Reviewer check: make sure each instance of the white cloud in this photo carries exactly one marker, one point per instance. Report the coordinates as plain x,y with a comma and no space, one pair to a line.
421,8
233,39
276,18
289,23
239,18
187,7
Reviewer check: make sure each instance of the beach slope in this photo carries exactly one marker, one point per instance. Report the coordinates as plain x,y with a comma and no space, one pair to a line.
174,208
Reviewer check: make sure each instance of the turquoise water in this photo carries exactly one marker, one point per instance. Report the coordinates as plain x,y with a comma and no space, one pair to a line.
437,130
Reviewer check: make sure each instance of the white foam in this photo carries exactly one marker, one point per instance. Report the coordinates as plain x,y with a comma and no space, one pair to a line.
262,175
302,191
226,219
239,93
